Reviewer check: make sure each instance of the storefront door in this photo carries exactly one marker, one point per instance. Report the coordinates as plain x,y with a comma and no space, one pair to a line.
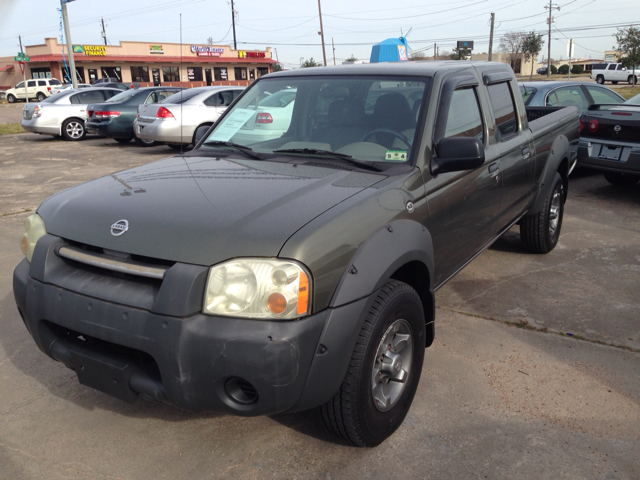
93,75
207,76
111,72
155,75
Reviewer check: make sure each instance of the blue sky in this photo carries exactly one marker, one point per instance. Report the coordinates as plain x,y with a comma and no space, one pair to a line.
291,26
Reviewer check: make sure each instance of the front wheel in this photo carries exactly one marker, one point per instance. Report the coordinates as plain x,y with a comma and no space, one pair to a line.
384,370
600,79
621,179
540,232
11,99
73,129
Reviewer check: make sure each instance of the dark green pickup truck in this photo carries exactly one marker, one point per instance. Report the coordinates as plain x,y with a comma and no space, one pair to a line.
268,272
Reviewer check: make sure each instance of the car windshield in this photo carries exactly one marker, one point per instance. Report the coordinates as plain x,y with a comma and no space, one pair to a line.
54,82
527,94
121,97
366,118
182,96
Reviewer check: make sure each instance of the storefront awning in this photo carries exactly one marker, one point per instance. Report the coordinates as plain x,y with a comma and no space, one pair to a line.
4,69
149,59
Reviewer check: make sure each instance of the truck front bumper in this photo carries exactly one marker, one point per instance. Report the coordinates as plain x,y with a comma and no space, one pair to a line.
196,362
613,156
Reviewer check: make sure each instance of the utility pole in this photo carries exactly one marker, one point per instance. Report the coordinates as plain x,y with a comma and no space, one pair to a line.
334,51
493,19
321,32
20,39
570,55
67,34
104,34
435,51
233,23
550,7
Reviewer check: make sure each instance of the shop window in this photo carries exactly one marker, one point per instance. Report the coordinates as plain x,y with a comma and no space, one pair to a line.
111,72
194,74
220,74
262,71
139,74
79,75
40,73
241,73
170,74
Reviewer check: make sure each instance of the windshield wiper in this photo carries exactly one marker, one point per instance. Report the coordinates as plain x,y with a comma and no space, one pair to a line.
236,146
330,154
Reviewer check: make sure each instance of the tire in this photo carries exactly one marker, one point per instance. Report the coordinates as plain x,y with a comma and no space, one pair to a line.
41,96
621,179
73,129
144,143
123,140
11,99
176,146
540,232
614,82
630,80
202,129
600,79
360,413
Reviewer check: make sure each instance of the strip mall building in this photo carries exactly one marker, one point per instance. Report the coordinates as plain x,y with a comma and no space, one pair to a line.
146,63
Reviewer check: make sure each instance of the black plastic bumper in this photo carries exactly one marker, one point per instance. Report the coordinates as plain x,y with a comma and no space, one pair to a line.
196,362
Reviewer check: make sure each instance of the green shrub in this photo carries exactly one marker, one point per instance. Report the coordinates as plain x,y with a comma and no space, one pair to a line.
577,69
564,69
554,69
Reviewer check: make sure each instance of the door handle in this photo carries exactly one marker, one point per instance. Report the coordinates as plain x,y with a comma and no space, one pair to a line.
526,153
494,169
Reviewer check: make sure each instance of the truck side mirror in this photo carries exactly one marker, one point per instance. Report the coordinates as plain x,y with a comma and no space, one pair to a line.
456,154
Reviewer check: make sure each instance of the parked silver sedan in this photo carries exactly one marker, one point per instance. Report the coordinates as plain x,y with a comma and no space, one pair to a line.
177,119
65,113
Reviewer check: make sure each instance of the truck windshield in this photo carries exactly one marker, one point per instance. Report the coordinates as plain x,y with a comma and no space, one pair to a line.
364,117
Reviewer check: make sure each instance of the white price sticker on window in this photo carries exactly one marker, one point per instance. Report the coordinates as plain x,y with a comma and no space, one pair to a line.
231,124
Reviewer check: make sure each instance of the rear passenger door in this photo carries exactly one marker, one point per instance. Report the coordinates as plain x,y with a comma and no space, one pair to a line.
463,206
514,147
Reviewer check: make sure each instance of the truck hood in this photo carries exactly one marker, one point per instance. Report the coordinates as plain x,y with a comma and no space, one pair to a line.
200,210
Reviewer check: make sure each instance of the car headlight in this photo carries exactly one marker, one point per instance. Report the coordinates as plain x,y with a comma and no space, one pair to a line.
34,229
258,288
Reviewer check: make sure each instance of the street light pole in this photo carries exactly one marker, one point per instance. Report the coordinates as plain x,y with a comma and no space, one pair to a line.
550,7
321,32
72,63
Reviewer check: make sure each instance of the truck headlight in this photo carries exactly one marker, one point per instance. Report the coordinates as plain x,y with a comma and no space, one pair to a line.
258,288
34,229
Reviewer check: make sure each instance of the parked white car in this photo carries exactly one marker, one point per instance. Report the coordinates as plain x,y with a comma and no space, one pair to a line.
614,73
64,114
177,119
271,119
38,89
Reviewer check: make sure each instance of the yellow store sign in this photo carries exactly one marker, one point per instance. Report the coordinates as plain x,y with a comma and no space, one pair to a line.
95,50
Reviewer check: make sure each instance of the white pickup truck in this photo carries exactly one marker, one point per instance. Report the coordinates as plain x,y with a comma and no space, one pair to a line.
614,73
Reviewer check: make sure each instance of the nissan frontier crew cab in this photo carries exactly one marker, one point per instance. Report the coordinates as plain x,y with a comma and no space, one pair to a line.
266,274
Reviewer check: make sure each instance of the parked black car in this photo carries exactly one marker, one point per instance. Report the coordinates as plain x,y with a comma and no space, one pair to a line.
610,141
115,117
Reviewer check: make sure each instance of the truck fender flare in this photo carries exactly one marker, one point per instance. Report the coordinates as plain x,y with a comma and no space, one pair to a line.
560,150
384,252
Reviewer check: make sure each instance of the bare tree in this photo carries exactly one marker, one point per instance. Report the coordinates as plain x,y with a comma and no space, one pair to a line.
531,46
511,44
417,56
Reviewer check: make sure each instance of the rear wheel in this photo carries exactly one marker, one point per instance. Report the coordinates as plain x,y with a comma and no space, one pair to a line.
73,129
600,79
144,143
11,99
123,140
621,179
384,370
540,232
630,80
41,96
199,133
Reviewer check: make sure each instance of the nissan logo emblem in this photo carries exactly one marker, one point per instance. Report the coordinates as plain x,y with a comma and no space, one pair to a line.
617,128
119,228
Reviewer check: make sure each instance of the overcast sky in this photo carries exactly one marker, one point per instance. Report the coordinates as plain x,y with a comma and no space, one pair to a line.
291,26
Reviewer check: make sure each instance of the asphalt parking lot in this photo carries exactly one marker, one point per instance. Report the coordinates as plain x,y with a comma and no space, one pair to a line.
534,374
